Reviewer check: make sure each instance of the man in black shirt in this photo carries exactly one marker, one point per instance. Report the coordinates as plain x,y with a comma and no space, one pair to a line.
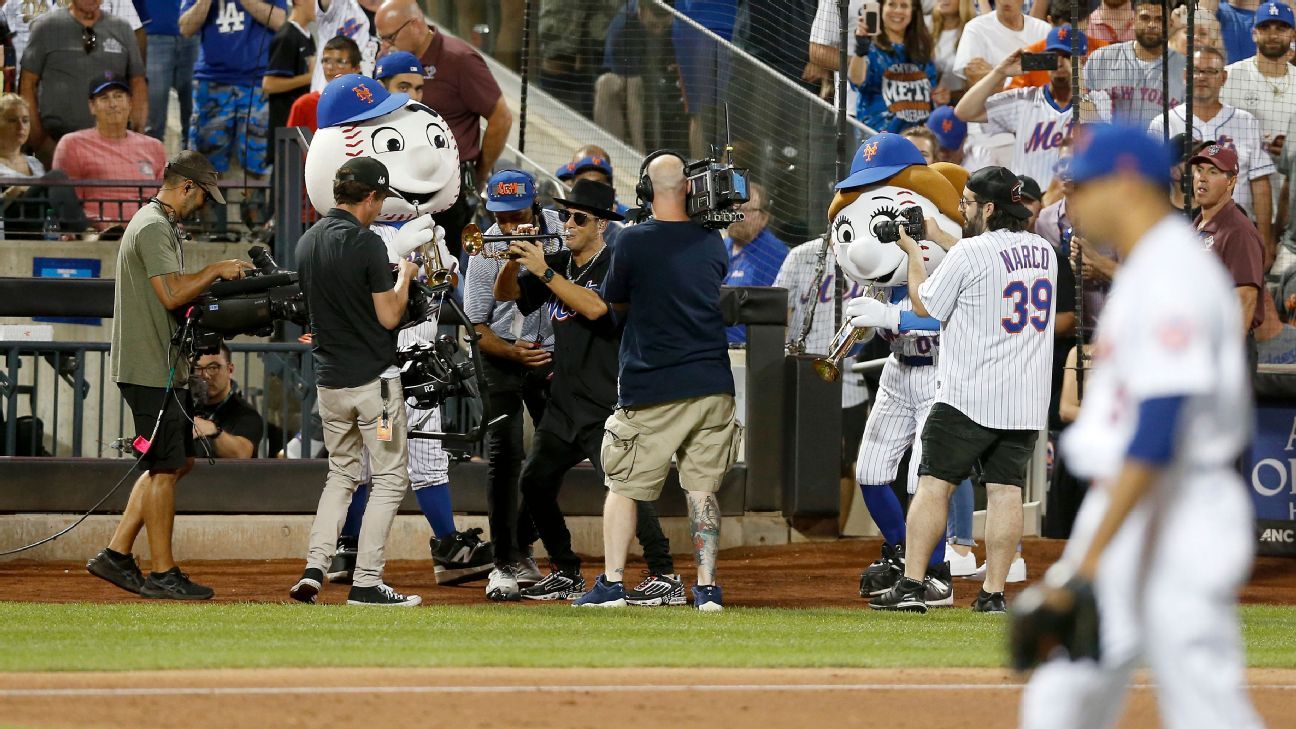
583,393
225,426
354,311
290,64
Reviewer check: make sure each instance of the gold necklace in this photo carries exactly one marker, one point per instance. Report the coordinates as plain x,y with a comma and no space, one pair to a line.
1278,90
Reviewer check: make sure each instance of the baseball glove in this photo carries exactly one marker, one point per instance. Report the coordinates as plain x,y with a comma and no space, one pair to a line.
1048,619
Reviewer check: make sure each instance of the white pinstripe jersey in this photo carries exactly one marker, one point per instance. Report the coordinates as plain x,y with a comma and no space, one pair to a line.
993,294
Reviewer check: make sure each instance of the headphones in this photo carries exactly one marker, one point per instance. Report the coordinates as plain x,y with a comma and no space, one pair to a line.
644,188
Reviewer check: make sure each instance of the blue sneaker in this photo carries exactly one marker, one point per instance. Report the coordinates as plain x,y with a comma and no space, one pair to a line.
709,598
605,595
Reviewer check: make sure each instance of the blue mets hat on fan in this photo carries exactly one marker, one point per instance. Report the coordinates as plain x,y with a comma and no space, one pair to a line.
588,162
879,158
1274,12
353,98
950,130
1106,149
510,190
397,62
1059,40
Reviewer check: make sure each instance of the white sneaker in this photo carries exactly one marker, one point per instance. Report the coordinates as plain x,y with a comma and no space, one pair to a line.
1016,571
960,565
503,584
528,572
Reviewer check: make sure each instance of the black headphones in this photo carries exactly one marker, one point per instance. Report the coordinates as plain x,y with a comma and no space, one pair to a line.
644,188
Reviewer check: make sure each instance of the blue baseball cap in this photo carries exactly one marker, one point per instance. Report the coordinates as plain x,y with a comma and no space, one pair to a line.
108,80
353,98
949,129
879,158
397,62
1274,12
1106,149
588,162
1059,40
510,190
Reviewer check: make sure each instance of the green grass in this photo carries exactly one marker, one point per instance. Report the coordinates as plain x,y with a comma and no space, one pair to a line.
82,637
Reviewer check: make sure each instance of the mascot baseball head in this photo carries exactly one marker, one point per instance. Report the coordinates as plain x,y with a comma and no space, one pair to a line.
888,175
359,118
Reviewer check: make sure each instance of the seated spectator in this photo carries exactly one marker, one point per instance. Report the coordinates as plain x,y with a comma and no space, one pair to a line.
755,253
110,151
67,50
988,39
400,73
292,60
893,72
15,125
1227,230
340,57
26,206
1276,337
225,426
924,140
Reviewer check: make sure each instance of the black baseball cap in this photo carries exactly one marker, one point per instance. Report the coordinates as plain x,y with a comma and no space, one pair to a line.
367,171
1001,187
108,80
1030,188
193,166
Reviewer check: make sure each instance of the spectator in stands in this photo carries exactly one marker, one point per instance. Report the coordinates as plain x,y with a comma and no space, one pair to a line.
15,125
755,253
224,424
353,19
1058,18
19,15
170,66
948,18
703,64
629,89
400,73
291,63
572,35
1113,21
69,48
1206,30
1265,84
1130,72
1232,128
1031,196
825,42
893,73
925,141
1276,337
463,92
25,206
988,39
110,151
1236,19
1227,230
340,57
951,133
592,162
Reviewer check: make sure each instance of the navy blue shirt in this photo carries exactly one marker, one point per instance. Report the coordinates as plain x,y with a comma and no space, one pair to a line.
673,347
755,264
159,17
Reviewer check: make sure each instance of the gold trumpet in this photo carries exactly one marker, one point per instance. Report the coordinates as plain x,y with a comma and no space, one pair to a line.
433,267
829,368
479,245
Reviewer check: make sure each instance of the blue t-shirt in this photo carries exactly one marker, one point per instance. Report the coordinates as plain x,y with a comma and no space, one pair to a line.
896,93
673,348
1235,26
160,17
755,264
235,47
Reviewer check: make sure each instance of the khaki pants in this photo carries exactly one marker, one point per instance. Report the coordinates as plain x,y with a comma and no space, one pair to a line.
350,416
701,433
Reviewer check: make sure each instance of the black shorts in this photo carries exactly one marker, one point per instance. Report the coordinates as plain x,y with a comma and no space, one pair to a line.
953,445
173,445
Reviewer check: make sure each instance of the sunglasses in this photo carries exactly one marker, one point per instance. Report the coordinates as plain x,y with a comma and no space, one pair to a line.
89,40
580,218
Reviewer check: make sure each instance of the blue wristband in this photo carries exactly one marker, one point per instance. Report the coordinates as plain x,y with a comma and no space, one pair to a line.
911,322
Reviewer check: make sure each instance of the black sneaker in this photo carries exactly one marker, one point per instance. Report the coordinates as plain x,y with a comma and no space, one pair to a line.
557,586
344,561
119,569
463,557
938,590
657,590
990,602
906,596
884,573
381,595
174,585
308,587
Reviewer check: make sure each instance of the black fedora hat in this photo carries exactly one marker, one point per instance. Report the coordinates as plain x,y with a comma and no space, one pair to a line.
593,197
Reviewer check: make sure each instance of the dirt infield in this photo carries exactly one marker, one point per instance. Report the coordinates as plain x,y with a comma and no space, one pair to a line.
819,574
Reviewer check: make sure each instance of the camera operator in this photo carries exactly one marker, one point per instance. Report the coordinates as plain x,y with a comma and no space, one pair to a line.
224,424
354,310
676,391
153,375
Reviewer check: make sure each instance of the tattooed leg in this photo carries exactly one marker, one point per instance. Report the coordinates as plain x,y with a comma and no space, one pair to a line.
619,514
704,516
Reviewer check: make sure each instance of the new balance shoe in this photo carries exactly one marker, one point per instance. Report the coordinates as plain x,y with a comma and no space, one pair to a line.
503,584
174,585
961,565
1016,571
119,569
604,595
380,595
990,602
884,573
708,598
937,590
557,586
528,572
460,558
308,587
657,590
342,568
906,596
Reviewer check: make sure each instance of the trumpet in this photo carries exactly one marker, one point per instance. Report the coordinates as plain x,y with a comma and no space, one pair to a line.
481,245
433,267
829,368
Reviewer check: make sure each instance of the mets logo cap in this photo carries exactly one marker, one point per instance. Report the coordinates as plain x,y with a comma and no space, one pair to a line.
395,63
879,158
588,162
510,190
1274,12
950,130
1059,40
352,98
1102,150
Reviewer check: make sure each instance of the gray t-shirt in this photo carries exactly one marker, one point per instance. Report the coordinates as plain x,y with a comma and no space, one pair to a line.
56,53
482,308
1134,85
141,338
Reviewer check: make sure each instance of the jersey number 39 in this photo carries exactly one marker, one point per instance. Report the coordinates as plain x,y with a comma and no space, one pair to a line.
1038,297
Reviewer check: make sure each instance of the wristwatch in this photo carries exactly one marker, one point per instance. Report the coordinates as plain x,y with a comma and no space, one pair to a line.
548,275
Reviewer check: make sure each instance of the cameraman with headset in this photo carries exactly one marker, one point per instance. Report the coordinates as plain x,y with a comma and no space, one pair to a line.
676,391
153,374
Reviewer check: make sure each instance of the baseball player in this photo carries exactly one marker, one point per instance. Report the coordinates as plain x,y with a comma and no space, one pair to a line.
993,295
1166,412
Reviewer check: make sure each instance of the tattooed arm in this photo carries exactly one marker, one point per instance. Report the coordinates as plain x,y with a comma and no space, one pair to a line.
704,517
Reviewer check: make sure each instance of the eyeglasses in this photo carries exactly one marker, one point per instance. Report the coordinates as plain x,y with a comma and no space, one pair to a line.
391,39
89,40
965,203
209,370
580,218
1207,71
